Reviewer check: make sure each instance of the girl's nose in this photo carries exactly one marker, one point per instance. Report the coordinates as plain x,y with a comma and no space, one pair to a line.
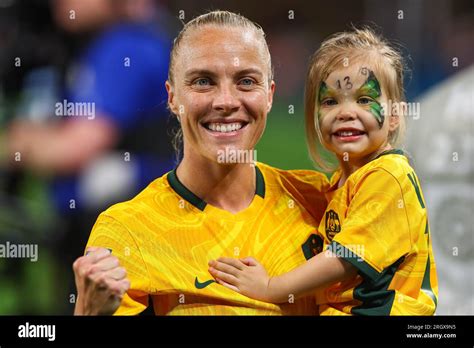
346,114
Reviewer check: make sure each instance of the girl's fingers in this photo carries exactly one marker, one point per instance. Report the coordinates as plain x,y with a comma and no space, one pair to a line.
223,267
231,261
249,261
228,278
227,285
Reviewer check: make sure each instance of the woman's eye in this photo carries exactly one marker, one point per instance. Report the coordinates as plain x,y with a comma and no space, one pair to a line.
202,82
247,82
329,102
364,100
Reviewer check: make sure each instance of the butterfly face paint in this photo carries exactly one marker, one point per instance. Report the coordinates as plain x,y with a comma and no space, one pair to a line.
371,88
351,120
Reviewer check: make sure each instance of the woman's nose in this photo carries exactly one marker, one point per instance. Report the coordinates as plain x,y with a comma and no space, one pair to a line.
226,100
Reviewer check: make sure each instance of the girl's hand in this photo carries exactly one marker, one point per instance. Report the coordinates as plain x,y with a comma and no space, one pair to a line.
245,276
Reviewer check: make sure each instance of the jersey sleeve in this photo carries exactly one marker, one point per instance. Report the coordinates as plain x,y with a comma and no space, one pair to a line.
308,187
375,233
109,233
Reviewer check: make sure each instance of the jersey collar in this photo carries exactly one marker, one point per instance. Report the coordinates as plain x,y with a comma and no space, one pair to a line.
199,203
337,174
391,152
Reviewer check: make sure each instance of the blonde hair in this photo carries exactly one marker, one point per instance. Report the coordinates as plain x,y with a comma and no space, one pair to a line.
220,19
355,45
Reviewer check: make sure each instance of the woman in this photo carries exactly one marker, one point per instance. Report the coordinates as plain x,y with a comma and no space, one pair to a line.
218,201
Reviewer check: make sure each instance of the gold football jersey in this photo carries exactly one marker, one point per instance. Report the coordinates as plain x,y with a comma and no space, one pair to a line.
378,222
165,236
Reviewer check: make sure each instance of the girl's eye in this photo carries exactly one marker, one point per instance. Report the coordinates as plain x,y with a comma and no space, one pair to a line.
202,81
329,102
364,100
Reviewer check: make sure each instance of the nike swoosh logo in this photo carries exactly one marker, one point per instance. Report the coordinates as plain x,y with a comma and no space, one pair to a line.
200,285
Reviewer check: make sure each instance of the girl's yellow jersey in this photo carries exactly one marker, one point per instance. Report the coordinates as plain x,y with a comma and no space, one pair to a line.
378,222
165,236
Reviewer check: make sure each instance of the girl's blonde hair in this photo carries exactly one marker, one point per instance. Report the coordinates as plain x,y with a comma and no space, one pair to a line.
339,50
220,19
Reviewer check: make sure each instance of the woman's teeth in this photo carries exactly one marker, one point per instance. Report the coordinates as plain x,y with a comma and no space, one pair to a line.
224,127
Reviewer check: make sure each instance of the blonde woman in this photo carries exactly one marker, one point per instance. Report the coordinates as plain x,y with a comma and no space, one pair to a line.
152,251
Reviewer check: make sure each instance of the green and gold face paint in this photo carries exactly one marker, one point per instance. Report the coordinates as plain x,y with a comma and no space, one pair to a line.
371,88
322,94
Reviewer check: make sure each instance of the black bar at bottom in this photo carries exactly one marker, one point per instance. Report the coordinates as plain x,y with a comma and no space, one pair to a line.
437,330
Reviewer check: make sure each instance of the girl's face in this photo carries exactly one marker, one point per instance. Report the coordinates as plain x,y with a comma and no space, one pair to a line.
221,91
350,115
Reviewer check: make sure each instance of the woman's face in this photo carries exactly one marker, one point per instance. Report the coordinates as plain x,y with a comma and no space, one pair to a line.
351,117
221,90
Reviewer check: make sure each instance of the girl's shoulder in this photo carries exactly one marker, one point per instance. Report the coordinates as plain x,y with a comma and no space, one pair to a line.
394,162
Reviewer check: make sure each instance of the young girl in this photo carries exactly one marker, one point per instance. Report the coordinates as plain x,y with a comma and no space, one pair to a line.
377,257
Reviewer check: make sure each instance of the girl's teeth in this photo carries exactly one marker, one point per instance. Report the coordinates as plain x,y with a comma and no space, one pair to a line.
348,133
224,127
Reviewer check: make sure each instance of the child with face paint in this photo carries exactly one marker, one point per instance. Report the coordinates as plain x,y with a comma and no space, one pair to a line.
373,245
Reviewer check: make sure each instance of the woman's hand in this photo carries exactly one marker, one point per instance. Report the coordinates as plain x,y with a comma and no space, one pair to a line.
100,281
245,276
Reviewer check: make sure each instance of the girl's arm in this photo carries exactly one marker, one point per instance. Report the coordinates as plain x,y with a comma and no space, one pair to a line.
248,277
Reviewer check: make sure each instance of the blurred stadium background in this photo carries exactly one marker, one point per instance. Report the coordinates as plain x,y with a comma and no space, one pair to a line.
54,205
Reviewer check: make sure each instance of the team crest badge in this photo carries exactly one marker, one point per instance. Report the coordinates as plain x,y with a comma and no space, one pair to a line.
333,225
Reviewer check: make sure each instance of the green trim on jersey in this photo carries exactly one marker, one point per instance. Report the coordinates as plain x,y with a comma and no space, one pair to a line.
199,203
260,183
391,152
426,283
358,262
372,292
414,181
375,297
184,192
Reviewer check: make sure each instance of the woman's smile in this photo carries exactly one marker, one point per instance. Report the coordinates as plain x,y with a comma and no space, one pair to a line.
225,128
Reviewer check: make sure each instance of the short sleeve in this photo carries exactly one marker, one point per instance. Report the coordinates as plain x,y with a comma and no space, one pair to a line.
109,233
375,233
308,188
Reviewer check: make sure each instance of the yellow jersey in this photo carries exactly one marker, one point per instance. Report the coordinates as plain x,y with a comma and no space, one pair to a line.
165,236
378,222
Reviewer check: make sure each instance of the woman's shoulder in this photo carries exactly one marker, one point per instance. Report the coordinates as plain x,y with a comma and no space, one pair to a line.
143,203
307,187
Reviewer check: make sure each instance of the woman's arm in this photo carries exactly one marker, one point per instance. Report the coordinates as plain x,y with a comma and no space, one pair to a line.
248,277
